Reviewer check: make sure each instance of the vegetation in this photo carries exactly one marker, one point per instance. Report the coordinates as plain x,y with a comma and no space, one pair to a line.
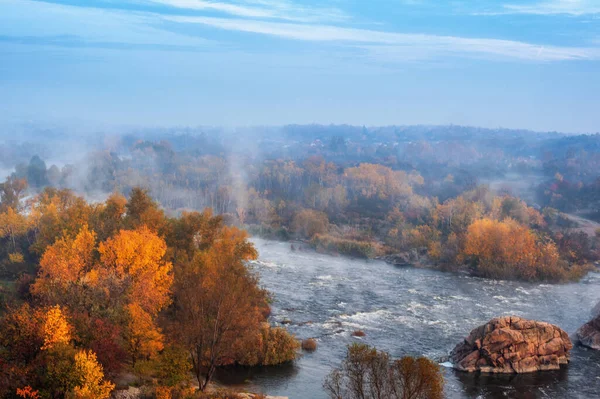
118,286
309,345
361,192
367,373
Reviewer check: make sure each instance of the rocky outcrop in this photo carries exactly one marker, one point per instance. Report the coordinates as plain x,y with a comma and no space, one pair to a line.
512,345
589,334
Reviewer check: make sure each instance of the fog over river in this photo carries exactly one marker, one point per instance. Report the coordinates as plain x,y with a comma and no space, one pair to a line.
409,311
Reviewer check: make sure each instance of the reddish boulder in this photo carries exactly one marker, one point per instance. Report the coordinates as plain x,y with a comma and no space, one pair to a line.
589,334
512,345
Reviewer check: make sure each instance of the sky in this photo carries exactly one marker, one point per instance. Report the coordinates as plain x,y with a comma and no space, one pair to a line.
532,64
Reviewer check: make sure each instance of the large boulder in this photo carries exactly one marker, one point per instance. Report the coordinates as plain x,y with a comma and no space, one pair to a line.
589,334
512,345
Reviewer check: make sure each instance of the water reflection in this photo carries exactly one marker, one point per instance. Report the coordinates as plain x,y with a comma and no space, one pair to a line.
518,386
252,378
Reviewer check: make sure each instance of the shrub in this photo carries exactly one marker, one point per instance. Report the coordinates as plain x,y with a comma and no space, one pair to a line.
309,345
270,347
173,367
369,373
358,333
354,248
308,223
161,392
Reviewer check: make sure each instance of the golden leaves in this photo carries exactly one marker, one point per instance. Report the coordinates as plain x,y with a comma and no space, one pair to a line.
90,375
57,330
137,256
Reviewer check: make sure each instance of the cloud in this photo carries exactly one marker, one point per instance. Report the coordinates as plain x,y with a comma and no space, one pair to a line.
551,7
410,45
29,22
33,22
265,9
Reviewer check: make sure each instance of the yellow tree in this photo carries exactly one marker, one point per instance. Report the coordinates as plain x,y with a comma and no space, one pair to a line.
143,338
90,376
57,330
55,214
12,225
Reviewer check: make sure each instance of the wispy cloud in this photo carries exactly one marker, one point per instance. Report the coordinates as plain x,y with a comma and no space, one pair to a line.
551,7
26,21
264,9
36,22
410,45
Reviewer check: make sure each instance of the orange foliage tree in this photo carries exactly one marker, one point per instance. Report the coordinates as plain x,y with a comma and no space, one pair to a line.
143,338
507,249
218,302
135,259
64,267
57,330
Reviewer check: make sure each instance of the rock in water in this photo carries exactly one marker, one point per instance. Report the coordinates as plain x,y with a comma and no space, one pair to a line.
589,334
512,345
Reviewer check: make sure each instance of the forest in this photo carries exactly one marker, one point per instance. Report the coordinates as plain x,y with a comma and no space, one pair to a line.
456,196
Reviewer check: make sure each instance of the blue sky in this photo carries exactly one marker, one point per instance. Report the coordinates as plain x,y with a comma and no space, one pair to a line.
495,63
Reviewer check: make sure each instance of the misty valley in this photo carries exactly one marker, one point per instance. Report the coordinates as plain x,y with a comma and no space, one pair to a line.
299,199
305,261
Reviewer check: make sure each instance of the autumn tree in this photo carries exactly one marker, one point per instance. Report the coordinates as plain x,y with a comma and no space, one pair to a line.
135,259
218,301
110,217
65,267
22,334
418,378
11,193
143,338
57,330
378,182
90,378
507,249
12,225
55,214
367,373
308,222
142,210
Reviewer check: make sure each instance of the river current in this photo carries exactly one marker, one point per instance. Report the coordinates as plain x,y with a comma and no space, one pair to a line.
410,311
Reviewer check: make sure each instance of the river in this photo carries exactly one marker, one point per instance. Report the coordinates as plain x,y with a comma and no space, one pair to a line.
410,311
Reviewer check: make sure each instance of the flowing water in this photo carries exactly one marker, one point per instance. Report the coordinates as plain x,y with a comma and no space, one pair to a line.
409,311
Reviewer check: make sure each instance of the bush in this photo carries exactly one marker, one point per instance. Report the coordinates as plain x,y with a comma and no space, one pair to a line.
309,345
369,373
173,367
308,223
161,392
358,333
270,347
354,248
